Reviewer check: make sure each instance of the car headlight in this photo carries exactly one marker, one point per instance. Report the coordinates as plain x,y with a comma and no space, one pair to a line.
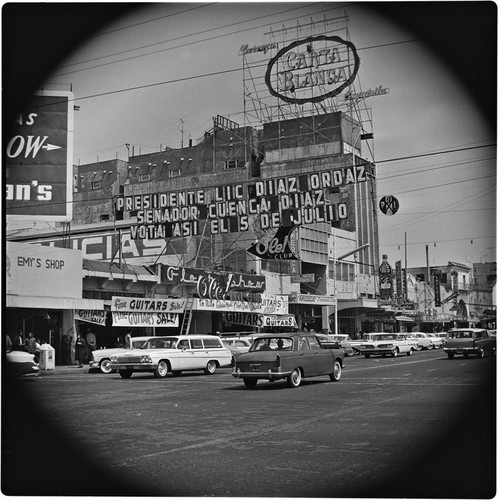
145,359
114,359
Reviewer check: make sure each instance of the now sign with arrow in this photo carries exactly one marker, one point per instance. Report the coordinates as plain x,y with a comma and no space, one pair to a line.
39,160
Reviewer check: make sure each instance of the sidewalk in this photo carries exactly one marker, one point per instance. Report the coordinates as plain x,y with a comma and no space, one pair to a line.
64,369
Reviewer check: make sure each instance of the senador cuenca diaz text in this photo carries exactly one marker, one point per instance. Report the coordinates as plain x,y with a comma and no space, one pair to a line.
283,201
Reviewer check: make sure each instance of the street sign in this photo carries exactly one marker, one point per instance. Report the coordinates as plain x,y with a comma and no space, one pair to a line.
39,160
303,278
389,205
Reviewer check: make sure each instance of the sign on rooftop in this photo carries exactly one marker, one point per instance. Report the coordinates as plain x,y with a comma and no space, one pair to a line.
312,69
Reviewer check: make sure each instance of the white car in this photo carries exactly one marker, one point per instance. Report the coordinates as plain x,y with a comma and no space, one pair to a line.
382,344
163,355
101,358
423,340
436,340
237,345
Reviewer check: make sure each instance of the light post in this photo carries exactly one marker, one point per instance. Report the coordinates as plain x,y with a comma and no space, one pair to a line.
335,260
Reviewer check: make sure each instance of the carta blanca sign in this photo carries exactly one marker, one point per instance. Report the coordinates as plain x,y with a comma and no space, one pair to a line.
312,69
284,201
39,158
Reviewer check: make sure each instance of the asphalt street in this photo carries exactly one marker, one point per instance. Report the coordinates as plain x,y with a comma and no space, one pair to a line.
412,427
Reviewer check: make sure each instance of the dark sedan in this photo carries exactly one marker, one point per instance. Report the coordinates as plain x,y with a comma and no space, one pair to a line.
290,356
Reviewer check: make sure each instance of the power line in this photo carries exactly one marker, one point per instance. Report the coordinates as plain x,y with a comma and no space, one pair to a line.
191,43
181,37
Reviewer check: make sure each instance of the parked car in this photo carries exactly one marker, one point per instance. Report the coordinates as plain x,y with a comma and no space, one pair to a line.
422,339
175,354
291,356
332,341
101,358
21,363
237,345
466,341
382,344
436,340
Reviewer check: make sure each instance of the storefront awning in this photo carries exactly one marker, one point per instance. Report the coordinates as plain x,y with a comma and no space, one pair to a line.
53,302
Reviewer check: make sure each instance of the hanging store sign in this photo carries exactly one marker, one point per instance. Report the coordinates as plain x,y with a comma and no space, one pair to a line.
260,320
213,285
312,69
317,300
140,304
157,320
270,304
90,316
39,160
303,278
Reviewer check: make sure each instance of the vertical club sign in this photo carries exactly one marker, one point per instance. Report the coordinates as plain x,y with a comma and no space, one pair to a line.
385,279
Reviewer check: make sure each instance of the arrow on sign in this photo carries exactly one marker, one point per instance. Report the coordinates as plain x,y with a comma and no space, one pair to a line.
49,147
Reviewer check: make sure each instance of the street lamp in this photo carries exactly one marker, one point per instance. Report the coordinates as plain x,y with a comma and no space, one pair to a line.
356,250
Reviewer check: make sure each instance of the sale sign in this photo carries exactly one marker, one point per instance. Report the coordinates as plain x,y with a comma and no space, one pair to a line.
39,159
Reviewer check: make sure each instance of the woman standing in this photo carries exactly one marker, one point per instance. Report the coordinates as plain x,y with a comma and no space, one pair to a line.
80,348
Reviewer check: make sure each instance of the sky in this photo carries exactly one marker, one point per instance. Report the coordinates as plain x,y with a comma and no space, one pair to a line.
160,73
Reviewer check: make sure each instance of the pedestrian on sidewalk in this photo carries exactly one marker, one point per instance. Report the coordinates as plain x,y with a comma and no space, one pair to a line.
80,350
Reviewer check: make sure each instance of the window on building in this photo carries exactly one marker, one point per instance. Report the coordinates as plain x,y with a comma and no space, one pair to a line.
105,217
174,173
144,177
96,184
229,164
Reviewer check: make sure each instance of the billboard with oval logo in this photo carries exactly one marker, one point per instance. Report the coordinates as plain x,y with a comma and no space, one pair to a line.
312,69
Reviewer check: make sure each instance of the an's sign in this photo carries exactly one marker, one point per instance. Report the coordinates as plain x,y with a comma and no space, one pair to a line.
312,69
39,160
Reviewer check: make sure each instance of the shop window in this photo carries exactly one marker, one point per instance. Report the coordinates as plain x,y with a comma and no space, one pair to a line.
96,184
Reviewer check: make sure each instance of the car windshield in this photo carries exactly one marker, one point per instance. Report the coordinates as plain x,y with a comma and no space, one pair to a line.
272,344
384,337
160,343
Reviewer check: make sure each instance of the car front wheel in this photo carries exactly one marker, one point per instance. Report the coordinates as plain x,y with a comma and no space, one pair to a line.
294,379
105,366
451,355
125,373
210,368
335,376
162,369
481,352
410,352
395,353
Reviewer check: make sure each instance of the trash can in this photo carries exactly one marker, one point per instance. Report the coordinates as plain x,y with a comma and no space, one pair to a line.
47,357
